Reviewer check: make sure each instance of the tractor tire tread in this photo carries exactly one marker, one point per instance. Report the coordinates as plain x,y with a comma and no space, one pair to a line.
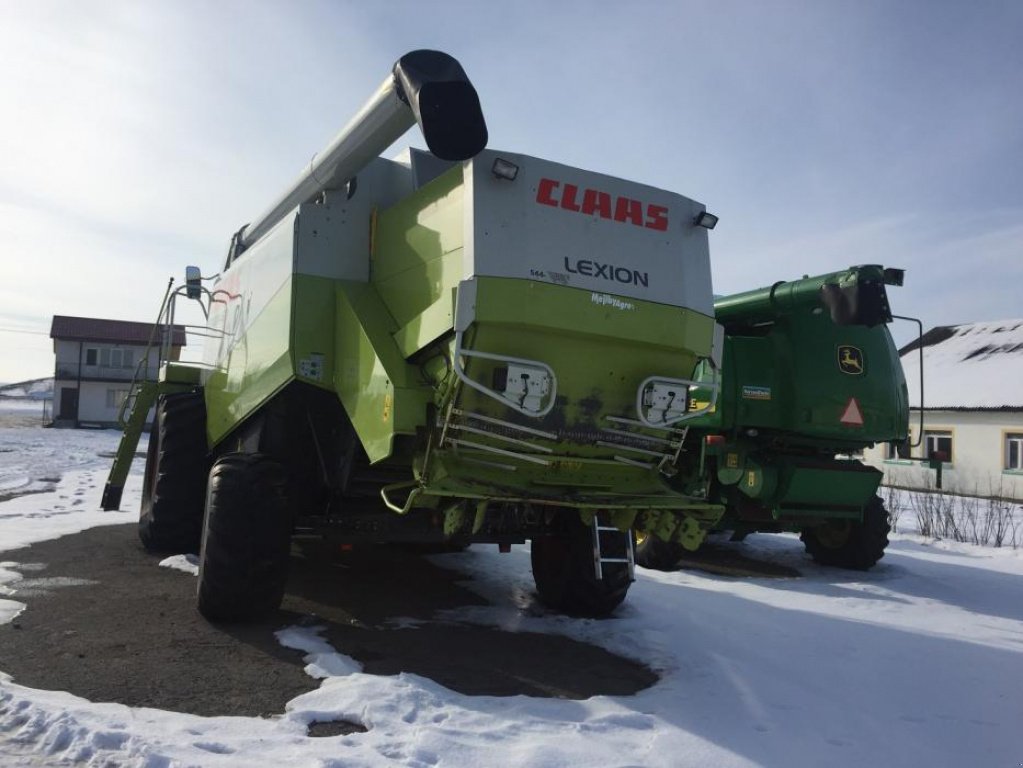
246,539
174,485
864,547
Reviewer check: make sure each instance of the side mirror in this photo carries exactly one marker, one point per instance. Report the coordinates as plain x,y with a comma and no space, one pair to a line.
193,282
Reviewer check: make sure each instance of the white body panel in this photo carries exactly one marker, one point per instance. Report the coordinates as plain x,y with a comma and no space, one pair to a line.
585,230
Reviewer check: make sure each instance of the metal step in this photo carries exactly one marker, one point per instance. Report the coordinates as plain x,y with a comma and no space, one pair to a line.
599,559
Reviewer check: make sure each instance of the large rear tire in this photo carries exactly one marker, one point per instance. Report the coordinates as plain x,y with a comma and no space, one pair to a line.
856,546
655,553
246,540
174,483
564,572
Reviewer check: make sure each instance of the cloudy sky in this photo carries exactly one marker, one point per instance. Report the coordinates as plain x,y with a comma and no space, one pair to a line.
136,137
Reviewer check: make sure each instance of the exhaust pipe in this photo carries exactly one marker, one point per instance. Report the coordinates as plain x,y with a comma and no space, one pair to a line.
425,87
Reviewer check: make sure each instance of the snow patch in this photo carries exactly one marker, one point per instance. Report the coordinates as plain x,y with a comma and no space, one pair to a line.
186,563
322,661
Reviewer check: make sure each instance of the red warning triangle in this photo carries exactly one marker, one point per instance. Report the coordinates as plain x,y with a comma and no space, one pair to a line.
852,416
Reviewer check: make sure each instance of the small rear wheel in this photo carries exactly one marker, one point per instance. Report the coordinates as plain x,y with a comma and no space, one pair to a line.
246,539
656,553
563,569
853,545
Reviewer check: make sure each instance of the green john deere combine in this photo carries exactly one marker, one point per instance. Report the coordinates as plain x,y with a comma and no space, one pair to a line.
811,377
454,346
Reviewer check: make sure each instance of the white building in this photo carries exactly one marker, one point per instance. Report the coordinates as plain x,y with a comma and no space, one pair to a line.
973,410
97,360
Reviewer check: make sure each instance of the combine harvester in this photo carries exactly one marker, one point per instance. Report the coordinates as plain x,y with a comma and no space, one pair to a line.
461,345
810,378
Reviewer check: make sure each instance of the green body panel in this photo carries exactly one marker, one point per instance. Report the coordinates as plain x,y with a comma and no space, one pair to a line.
314,330
259,363
771,302
179,373
332,334
795,486
677,335
790,380
382,394
417,255
600,355
817,489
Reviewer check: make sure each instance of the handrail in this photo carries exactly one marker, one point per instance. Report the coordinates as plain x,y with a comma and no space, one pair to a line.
168,299
920,349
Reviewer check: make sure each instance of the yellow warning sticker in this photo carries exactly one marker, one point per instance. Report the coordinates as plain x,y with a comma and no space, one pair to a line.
732,461
388,402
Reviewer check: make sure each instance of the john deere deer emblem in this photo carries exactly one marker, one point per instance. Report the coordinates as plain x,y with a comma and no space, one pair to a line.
850,360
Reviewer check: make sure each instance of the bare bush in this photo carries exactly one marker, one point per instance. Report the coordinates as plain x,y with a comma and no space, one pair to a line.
1001,525
894,502
988,519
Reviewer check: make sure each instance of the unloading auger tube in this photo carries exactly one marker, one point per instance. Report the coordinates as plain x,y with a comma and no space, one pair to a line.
425,87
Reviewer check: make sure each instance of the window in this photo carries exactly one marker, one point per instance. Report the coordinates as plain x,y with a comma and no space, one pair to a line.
938,442
90,356
1014,452
116,398
116,358
897,451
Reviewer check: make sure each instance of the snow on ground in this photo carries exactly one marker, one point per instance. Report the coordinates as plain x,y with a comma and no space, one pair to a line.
917,662
33,459
186,563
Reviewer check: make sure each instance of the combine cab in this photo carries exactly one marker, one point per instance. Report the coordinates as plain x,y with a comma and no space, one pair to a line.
810,378
456,346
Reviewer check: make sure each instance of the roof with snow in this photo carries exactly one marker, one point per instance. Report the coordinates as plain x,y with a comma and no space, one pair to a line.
977,366
33,389
109,331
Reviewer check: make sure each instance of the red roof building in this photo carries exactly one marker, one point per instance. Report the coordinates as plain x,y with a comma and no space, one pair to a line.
97,360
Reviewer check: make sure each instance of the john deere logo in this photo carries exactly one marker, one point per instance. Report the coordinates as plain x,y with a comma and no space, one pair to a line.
850,360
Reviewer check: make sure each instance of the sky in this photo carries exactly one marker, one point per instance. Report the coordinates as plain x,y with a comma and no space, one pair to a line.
137,137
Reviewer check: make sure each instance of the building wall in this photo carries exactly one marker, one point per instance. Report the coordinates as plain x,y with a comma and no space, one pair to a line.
101,379
98,401
108,361
94,405
978,461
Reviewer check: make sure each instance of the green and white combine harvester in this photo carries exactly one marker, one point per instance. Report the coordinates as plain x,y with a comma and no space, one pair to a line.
466,345
456,346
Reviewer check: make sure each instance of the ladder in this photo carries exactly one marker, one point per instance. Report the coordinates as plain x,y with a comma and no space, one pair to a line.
600,559
143,398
